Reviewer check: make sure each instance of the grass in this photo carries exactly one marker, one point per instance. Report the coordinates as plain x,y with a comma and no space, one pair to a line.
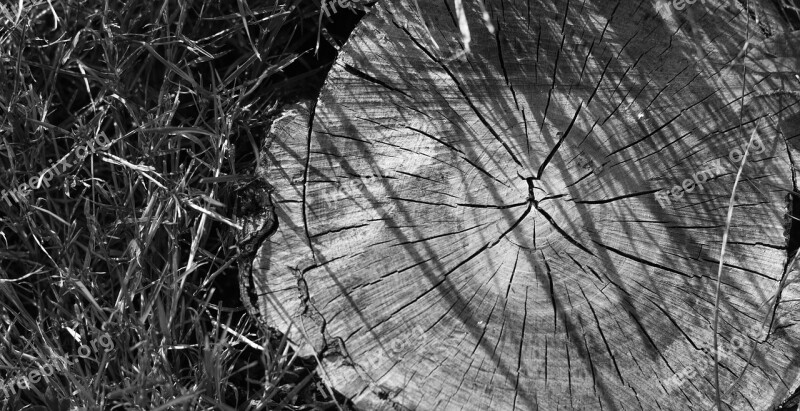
132,241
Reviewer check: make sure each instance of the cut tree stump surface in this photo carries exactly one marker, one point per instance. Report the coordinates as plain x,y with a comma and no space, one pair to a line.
492,231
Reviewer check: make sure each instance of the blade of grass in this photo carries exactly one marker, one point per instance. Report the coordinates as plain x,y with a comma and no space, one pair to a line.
730,214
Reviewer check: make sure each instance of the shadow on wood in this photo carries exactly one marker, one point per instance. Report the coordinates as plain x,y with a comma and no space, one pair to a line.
532,227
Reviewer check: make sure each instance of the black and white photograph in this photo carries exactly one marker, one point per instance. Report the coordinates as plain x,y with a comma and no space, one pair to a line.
381,205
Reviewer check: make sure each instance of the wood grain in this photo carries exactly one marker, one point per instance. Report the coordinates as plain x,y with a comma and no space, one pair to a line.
483,233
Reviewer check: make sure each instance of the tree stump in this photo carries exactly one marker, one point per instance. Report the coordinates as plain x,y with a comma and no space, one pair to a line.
537,224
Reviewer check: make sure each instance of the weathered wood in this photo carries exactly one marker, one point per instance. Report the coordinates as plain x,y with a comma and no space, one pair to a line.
486,234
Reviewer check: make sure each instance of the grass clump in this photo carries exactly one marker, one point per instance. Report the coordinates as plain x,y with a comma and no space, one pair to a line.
133,242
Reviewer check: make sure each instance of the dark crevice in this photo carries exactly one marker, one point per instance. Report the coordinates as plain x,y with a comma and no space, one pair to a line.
792,235
792,224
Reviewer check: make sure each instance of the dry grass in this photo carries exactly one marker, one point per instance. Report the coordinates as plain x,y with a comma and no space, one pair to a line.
134,240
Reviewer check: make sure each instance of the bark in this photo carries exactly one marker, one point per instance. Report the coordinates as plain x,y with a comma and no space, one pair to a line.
494,231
